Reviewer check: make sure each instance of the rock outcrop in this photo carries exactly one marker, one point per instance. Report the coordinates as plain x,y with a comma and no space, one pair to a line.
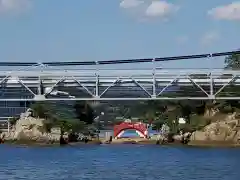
227,130
182,137
29,128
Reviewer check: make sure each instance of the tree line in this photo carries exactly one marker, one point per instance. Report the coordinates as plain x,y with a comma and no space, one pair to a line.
66,115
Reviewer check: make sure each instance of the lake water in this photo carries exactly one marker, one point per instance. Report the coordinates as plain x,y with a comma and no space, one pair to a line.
118,162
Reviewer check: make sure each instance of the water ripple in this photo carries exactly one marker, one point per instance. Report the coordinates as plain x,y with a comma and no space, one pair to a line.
118,162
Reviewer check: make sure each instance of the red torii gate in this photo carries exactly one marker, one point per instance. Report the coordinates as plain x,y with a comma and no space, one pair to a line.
141,128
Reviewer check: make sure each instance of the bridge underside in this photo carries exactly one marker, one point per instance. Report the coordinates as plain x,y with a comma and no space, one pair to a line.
66,81
119,85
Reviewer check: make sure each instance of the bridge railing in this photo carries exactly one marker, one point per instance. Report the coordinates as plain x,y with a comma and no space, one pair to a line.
115,72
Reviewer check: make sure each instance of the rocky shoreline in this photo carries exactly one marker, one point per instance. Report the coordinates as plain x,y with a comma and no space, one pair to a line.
218,144
29,131
129,141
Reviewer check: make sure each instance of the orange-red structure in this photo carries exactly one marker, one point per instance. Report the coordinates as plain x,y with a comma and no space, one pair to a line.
141,128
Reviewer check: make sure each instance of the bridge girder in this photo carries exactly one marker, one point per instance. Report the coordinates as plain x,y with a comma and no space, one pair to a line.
44,84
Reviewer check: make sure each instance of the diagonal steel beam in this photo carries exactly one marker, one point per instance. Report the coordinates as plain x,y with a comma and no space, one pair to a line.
1,84
139,85
112,85
171,82
84,87
4,79
192,81
234,78
25,86
59,81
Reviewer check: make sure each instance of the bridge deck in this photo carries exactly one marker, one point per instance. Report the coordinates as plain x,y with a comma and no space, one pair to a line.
118,84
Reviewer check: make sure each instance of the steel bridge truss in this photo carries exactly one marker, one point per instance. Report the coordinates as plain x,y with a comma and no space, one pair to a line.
43,83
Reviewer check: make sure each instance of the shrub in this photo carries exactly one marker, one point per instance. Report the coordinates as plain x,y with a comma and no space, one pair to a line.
13,120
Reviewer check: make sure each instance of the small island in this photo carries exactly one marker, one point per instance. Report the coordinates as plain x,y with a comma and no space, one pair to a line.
46,124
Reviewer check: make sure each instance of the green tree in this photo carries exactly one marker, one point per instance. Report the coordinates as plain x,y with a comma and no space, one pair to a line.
232,61
13,120
186,110
39,109
57,115
84,112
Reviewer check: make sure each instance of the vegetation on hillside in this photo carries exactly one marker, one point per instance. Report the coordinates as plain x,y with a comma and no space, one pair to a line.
66,116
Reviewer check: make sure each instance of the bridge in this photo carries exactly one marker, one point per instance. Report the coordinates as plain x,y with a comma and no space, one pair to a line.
55,81
140,128
119,84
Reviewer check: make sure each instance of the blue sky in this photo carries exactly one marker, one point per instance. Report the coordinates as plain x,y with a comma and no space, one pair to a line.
85,30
